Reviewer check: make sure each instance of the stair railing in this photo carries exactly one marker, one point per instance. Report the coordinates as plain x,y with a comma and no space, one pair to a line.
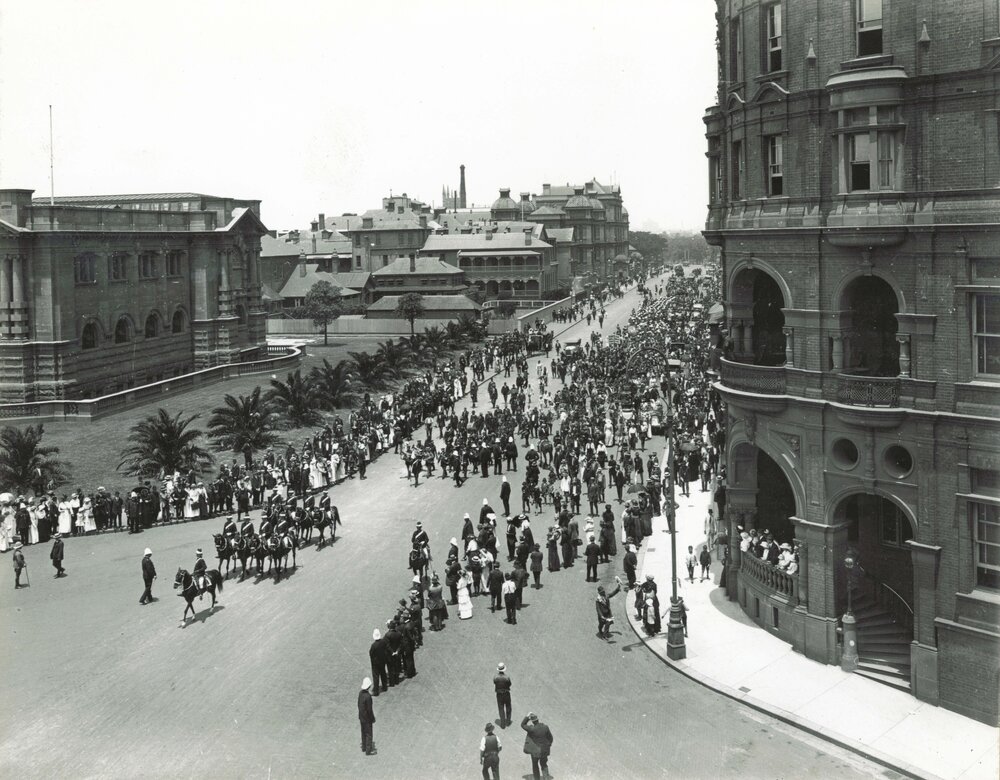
891,601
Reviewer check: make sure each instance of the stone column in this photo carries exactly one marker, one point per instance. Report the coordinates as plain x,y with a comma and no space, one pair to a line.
748,337
224,269
838,352
17,279
923,650
5,279
789,346
903,339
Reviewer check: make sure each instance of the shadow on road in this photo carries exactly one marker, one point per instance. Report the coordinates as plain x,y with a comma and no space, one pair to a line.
201,617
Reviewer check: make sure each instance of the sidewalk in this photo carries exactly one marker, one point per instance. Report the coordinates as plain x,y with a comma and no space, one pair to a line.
727,652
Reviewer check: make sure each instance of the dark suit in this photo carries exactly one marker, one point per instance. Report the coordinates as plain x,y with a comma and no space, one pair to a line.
495,581
57,556
505,497
378,653
537,744
592,552
501,684
366,714
148,575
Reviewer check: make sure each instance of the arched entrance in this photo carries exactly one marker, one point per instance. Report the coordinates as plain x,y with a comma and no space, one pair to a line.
757,320
871,347
760,494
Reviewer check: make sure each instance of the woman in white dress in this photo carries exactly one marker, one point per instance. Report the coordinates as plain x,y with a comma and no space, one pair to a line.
335,463
87,512
315,474
37,514
609,434
190,503
65,516
6,527
464,599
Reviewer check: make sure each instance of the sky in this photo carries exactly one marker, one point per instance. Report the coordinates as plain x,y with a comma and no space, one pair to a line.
328,106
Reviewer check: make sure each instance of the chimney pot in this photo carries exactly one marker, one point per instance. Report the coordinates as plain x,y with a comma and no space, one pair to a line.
314,226
527,236
505,193
322,221
489,235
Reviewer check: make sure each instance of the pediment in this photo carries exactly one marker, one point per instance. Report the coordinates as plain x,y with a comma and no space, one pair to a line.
768,92
734,101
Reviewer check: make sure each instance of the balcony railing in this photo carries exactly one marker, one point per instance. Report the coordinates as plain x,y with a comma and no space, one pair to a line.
868,391
770,576
764,380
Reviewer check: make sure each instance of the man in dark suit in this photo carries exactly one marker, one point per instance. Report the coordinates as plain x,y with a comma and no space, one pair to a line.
592,552
148,575
501,685
378,653
505,496
366,714
537,744
57,554
495,583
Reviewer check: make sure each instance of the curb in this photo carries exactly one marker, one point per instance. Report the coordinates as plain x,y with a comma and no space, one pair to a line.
785,716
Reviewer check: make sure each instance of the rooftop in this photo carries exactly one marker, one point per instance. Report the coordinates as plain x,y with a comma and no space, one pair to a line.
431,303
480,241
423,265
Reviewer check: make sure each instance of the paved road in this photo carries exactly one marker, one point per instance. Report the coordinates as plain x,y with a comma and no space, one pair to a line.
266,686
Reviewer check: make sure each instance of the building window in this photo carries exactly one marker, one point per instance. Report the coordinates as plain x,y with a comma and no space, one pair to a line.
869,27
893,527
736,48
152,329
174,263
357,262
773,155
85,268
871,154
774,37
147,265
88,339
986,528
117,267
385,260
177,322
737,173
123,331
986,333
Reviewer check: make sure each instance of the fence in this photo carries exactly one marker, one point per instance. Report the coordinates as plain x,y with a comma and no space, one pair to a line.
95,408
353,327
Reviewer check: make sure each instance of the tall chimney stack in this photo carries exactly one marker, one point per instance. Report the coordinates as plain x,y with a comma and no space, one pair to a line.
322,221
461,187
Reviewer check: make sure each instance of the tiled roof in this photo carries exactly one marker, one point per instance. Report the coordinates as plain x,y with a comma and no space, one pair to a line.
561,235
473,241
431,303
277,247
134,198
299,284
424,265
548,211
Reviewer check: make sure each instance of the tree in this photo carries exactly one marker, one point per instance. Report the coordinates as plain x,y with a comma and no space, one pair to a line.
409,307
323,305
436,340
506,309
394,357
26,464
242,422
295,399
369,370
161,444
334,383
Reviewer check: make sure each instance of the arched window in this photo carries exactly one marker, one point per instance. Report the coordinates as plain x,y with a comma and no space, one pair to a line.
88,339
123,331
178,322
152,329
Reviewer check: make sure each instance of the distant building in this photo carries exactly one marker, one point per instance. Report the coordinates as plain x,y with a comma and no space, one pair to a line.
103,293
398,229
853,175
443,307
355,287
424,275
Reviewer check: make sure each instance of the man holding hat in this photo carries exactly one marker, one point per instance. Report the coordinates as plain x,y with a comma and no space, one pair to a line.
366,715
148,575
501,685
57,555
537,744
489,753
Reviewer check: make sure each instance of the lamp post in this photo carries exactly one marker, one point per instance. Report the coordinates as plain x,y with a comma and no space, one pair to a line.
849,656
676,648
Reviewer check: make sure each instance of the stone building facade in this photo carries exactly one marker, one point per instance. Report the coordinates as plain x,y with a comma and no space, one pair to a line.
853,173
100,294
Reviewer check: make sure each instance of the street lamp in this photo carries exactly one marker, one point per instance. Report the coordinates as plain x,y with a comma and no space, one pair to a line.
676,648
849,656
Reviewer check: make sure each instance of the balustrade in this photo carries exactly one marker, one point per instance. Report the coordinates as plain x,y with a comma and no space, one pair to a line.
770,576
765,380
868,391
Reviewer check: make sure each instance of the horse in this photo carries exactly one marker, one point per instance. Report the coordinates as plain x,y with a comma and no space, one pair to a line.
279,547
259,552
190,589
305,525
420,557
244,553
225,549
331,520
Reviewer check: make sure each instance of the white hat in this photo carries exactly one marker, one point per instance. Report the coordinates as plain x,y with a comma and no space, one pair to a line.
376,634
501,668
366,683
147,551
485,502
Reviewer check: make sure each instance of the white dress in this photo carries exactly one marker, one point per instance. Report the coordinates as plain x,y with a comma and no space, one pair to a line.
37,516
6,528
464,599
87,513
315,474
191,504
65,519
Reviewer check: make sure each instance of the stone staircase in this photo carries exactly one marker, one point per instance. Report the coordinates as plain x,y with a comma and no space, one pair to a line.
883,645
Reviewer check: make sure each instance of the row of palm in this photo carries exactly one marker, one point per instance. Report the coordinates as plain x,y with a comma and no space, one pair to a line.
164,443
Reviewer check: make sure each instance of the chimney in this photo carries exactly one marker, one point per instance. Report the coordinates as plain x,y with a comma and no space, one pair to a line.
314,243
322,221
423,220
527,236
14,205
302,268
314,226
578,190
505,193
489,235
546,189
461,187
413,263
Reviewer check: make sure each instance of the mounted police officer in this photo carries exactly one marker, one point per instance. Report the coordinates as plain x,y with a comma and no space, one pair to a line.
200,573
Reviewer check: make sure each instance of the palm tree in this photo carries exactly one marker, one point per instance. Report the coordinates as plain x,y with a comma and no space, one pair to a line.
369,369
242,422
393,356
456,334
473,328
437,340
334,384
296,399
418,348
25,463
161,444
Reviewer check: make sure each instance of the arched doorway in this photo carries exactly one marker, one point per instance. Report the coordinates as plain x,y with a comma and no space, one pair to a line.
775,499
878,529
871,347
756,304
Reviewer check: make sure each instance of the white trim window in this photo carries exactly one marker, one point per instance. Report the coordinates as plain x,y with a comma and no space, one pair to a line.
773,148
773,41
986,335
986,531
869,24
737,170
870,149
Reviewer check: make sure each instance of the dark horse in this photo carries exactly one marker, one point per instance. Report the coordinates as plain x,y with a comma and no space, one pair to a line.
190,590
259,552
244,552
279,547
225,550
329,519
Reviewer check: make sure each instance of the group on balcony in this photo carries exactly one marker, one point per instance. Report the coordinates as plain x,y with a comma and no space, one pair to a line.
762,545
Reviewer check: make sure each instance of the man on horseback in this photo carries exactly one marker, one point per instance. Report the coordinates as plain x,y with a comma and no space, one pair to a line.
246,529
200,573
229,529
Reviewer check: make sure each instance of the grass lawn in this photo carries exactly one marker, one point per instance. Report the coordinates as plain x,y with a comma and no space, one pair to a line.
92,449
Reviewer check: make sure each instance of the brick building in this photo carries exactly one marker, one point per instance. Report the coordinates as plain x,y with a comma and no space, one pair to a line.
854,171
103,293
397,230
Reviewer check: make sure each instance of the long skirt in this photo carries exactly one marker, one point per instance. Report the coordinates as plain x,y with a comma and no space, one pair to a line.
464,602
553,557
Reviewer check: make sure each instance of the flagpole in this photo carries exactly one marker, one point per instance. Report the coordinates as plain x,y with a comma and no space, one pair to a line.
52,164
